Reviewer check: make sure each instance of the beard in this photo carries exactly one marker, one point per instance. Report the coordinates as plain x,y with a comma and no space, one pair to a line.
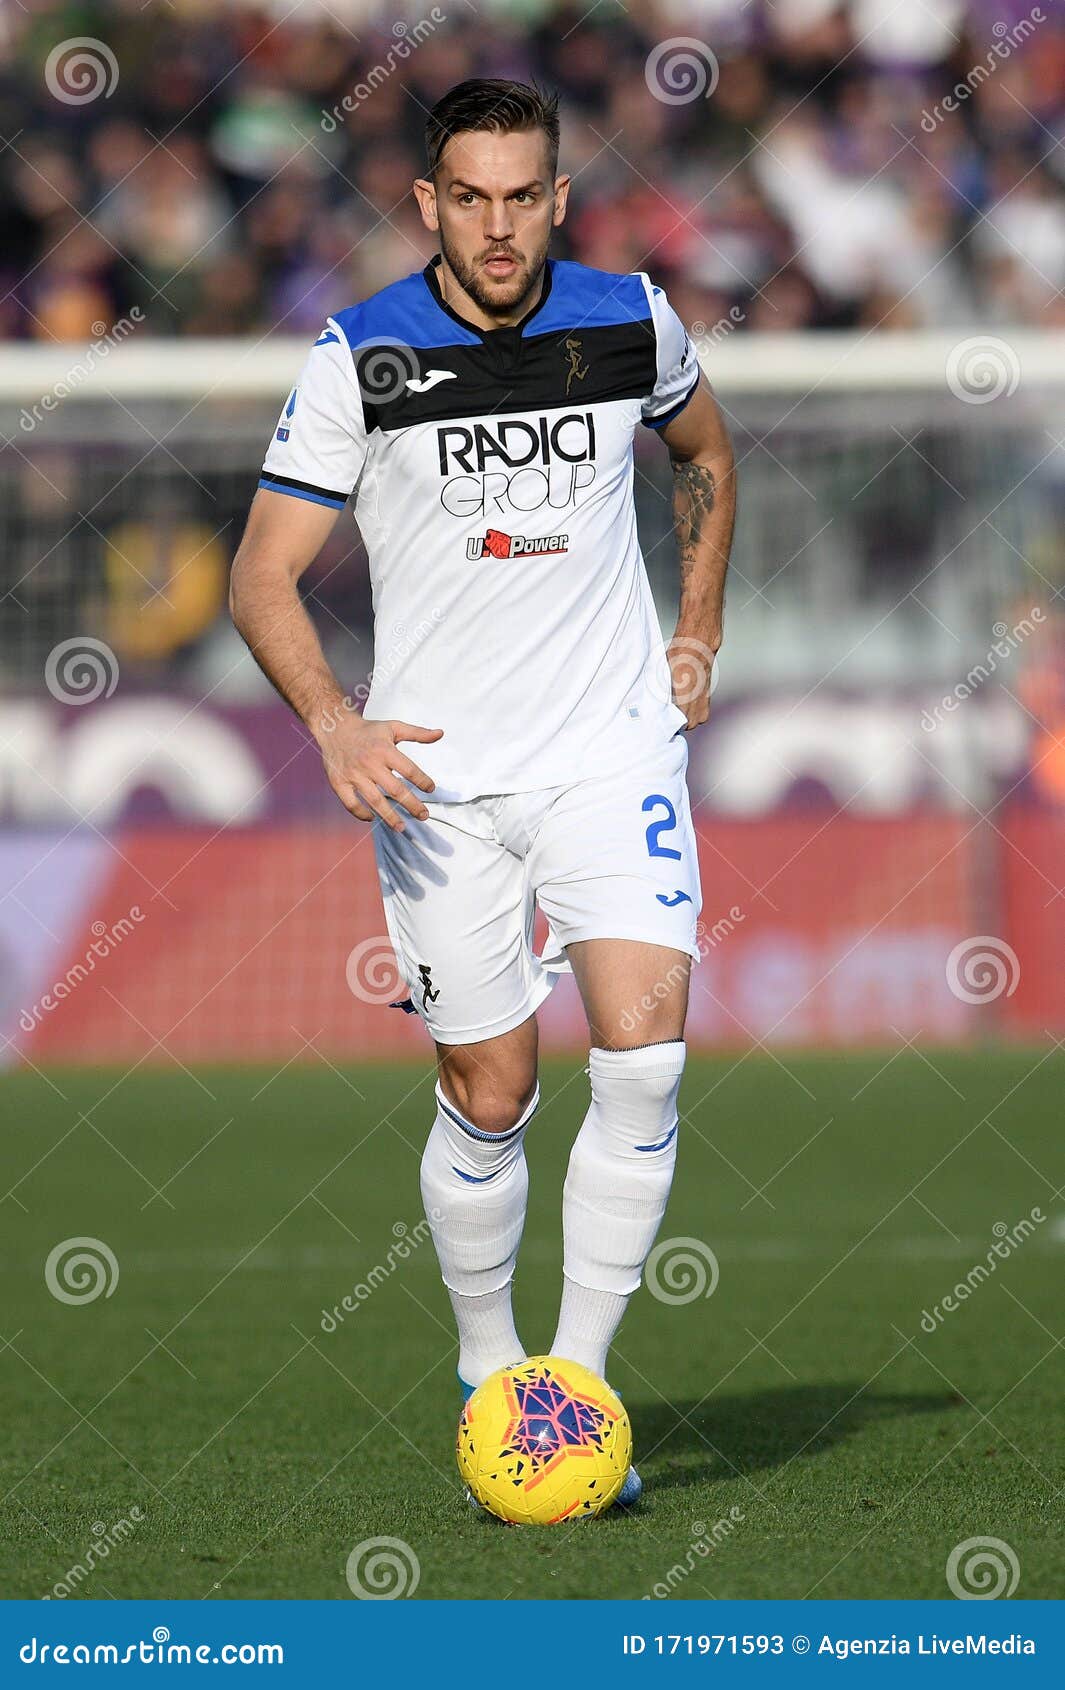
496,297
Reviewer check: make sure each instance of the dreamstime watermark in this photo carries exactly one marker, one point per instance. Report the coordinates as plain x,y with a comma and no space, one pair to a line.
403,643
105,941
1007,40
1007,1240
99,349
104,1539
380,1569
982,369
708,335
706,938
1007,640
143,1652
705,1539
408,1239
384,368
982,1569
79,1270
680,70
81,670
982,968
681,1270
688,669
372,972
408,37
80,69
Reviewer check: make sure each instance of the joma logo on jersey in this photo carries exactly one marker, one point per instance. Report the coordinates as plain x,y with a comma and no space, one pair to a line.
513,467
497,544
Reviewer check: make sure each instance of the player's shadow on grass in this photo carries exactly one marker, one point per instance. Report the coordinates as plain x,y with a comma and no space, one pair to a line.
756,1431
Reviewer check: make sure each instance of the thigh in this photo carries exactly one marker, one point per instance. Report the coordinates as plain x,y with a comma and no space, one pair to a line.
615,858
455,902
633,994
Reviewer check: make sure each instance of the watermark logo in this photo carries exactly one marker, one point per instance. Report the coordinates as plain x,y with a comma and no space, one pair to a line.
105,940
1007,40
407,38
680,70
705,1539
383,368
102,345
104,1539
1007,1240
681,1270
707,938
380,1569
79,1270
689,670
1007,640
982,1569
371,971
709,335
407,1240
982,369
983,968
81,670
80,70
387,664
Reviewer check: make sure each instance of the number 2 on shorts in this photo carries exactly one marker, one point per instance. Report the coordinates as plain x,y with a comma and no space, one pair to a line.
656,829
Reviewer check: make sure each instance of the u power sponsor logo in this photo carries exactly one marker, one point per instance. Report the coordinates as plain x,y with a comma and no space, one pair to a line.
497,544
516,466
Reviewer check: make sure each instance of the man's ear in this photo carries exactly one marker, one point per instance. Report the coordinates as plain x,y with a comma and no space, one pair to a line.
425,194
561,200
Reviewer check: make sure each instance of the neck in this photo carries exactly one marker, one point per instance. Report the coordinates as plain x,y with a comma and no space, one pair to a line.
455,295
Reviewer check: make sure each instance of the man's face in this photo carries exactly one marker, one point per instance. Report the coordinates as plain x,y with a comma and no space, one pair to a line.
494,204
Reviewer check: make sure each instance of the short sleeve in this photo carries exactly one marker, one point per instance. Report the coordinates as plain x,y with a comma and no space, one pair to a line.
677,363
319,444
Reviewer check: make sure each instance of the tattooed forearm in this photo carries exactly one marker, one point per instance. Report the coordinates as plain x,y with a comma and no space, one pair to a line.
694,493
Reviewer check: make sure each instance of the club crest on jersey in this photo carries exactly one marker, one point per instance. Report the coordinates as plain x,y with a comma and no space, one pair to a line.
497,544
572,347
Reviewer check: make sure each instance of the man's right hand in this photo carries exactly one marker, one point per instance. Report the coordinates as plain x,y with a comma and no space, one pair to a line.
363,765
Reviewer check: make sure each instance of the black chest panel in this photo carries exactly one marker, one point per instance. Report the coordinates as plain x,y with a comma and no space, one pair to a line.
505,372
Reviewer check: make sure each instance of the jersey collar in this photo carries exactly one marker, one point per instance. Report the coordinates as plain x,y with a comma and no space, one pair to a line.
429,276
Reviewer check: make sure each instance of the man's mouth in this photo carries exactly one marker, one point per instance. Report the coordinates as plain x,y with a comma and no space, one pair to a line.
501,265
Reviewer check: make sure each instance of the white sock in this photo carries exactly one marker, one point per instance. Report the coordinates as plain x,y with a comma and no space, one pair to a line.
617,1187
474,1188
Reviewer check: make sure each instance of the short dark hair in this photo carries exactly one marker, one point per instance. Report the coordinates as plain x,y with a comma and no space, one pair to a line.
489,103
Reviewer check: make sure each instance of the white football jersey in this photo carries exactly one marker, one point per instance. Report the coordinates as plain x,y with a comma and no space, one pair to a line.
493,481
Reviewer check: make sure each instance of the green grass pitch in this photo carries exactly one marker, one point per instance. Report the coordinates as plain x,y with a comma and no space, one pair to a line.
846,1448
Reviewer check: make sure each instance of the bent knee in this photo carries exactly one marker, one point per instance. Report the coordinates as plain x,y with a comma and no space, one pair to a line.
491,1103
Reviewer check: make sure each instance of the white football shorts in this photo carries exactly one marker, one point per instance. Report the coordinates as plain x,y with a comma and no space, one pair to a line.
610,857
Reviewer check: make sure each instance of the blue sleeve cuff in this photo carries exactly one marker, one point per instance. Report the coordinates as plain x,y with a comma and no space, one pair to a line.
667,416
303,490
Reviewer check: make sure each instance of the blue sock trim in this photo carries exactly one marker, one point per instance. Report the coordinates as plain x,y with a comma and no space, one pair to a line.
467,1390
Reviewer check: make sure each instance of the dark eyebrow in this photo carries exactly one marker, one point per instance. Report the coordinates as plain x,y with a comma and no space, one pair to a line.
469,188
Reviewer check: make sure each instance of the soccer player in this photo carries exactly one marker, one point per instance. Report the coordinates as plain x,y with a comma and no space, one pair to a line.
482,412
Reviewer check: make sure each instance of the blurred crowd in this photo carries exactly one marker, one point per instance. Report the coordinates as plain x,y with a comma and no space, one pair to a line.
777,164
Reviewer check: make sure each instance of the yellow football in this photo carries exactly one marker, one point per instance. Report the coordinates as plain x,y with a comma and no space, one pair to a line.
544,1441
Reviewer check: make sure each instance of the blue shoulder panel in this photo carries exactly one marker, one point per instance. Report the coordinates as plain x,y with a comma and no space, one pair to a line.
405,312
589,299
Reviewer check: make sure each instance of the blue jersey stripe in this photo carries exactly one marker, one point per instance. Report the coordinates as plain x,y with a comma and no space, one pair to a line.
273,486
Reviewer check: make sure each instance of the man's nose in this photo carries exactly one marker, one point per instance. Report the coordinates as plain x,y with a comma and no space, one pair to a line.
498,223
